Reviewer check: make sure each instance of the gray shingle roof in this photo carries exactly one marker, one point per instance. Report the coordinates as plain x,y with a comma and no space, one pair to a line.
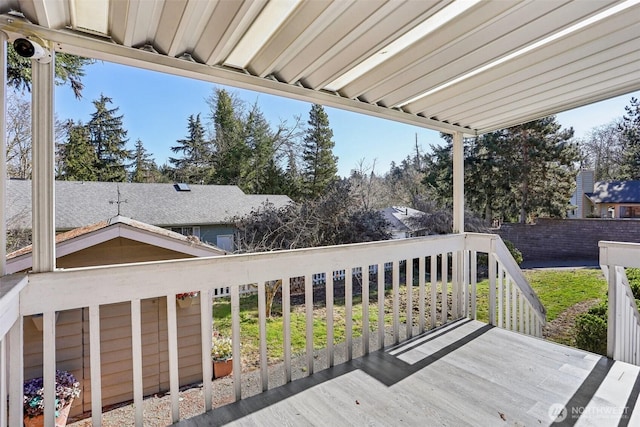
82,203
615,192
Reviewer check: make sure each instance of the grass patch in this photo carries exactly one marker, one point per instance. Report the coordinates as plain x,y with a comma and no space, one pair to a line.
249,326
557,289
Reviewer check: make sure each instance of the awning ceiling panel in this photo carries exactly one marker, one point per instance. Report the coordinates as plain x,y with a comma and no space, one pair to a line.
467,65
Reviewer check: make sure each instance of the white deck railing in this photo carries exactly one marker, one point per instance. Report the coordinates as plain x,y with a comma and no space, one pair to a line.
623,322
442,294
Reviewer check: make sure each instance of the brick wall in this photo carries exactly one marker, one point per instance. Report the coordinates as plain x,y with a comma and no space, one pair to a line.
568,239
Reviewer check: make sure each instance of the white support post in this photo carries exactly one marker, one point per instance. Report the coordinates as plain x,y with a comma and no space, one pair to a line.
43,183
16,372
458,183
3,153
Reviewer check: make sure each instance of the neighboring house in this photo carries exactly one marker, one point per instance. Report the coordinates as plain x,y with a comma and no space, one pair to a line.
400,221
204,211
117,241
605,199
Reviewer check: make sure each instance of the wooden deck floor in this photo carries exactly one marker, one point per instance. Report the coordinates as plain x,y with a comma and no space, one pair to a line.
467,373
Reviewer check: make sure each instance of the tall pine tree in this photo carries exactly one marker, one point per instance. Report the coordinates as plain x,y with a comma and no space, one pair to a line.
77,155
320,166
630,136
231,151
261,174
194,164
144,168
108,137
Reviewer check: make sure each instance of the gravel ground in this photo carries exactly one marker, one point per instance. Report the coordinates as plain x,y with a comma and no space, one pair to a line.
157,408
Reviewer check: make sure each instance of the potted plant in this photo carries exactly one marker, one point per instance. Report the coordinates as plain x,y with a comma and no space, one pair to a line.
221,355
185,299
67,389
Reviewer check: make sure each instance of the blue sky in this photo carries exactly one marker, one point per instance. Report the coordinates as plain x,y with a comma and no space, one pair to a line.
156,106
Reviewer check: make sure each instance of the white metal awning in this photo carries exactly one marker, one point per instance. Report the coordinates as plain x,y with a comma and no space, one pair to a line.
471,66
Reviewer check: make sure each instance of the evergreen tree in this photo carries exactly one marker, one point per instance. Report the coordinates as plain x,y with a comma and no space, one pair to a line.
630,136
144,168
193,167
77,155
261,174
515,173
108,137
231,151
292,180
68,69
319,163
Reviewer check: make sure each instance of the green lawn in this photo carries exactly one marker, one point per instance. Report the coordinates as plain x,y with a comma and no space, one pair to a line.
558,290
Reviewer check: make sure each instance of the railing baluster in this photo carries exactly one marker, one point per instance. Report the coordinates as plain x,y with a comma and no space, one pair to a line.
507,297
500,296
465,283
286,326
474,284
4,393
445,285
381,297
396,301
492,285
136,356
308,305
348,297
16,372
95,365
434,290
514,308
262,335
521,313
235,340
409,289
49,365
172,334
329,303
527,328
455,283
206,331
365,308
421,293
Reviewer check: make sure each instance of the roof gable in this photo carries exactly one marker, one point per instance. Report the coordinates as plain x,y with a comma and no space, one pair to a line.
84,237
615,192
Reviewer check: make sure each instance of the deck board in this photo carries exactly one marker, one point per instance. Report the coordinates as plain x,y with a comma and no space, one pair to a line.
465,374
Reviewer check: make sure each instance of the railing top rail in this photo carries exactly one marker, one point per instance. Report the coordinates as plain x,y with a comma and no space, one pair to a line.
10,287
112,284
493,243
623,254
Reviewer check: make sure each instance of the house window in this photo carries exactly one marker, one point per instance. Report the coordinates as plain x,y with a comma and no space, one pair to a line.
187,231
225,242
629,211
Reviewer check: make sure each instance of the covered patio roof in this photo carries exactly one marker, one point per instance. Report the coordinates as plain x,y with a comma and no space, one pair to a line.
453,66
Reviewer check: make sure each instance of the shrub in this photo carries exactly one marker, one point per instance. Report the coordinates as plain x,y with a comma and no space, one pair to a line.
591,333
515,252
633,274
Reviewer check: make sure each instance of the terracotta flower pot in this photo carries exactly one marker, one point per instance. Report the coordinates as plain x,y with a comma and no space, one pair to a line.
222,368
38,421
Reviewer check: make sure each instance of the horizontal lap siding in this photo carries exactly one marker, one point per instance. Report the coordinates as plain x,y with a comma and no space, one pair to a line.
72,350
68,349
